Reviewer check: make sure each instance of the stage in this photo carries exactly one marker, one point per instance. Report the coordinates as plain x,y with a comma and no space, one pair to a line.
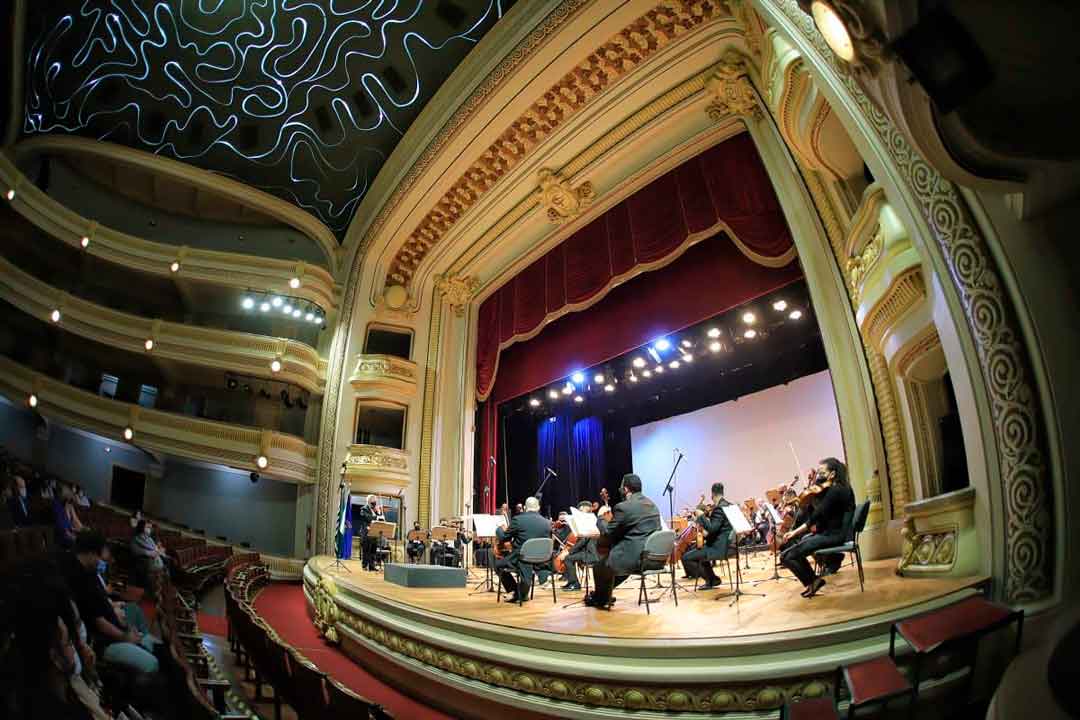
706,655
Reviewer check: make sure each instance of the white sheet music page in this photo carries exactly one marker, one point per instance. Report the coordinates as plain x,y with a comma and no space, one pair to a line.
777,518
583,524
736,518
485,524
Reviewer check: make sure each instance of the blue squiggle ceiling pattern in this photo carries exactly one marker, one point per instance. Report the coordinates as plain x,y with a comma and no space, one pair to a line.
303,99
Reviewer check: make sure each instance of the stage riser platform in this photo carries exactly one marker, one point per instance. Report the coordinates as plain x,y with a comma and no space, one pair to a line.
423,576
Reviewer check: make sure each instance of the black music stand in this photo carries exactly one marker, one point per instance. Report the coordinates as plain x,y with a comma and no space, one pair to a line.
740,525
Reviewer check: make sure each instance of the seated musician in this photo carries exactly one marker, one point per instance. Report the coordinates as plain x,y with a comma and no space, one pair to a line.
583,551
524,526
825,526
632,521
563,529
415,547
698,562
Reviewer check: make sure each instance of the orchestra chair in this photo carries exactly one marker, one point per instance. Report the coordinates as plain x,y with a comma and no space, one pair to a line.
654,561
851,546
535,553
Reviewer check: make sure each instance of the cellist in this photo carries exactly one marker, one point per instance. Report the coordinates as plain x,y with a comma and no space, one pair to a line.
717,529
583,551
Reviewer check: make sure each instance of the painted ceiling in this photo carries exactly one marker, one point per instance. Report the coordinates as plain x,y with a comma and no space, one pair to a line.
303,99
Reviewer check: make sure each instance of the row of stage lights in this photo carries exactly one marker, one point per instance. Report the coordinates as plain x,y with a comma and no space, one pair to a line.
642,368
289,307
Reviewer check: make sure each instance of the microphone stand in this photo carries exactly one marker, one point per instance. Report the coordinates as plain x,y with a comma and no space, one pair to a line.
539,491
669,490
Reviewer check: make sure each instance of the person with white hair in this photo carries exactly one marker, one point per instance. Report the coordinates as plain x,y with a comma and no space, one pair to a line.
524,526
367,515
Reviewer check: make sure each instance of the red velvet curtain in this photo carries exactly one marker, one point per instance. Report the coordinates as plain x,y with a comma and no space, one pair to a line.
724,186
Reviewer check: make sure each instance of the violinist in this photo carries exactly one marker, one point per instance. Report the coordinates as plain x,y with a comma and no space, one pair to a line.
583,551
524,526
825,526
368,514
714,523
561,528
416,544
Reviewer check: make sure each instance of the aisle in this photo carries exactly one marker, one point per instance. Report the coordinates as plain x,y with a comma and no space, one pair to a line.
282,607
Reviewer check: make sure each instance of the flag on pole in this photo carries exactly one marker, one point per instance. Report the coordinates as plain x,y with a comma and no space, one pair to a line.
343,536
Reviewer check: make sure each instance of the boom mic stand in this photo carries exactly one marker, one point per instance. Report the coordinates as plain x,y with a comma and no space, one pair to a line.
669,490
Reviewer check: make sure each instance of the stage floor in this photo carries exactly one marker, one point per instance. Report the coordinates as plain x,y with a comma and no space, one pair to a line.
699,615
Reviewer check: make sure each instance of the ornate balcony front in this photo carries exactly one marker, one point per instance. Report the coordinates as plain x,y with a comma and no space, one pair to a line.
376,469
384,376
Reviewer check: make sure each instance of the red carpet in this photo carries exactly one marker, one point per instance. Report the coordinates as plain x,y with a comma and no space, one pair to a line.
282,607
213,624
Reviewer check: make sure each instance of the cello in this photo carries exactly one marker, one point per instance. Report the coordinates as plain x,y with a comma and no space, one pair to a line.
692,536
559,561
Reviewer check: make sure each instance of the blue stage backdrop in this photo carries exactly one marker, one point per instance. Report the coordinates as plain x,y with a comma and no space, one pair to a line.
575,451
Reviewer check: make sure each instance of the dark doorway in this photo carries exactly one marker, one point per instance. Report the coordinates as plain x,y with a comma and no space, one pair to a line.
128,487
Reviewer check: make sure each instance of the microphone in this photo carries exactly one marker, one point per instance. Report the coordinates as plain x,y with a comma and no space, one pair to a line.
553,473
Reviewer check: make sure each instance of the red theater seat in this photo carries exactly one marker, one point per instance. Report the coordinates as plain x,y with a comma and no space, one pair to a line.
813,709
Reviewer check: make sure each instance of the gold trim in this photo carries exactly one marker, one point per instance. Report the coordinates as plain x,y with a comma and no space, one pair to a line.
914,351
905,292
427,434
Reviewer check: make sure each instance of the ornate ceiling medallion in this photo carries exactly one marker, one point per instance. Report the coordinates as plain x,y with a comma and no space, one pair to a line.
562,200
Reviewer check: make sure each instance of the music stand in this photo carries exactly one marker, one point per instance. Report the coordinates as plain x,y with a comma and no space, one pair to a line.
380,529
777,522
443,534
484,530
740,525
420,536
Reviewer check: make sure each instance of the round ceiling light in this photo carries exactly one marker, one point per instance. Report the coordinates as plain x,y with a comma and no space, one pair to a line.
833,29
795,314
261,462
149,344
175,267
750,334
294,283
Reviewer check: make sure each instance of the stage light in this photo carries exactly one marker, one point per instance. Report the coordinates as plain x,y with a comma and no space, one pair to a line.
149,344
287,309
598,378
654,355
309,317
686,343
317,320
633,378
749,318
247,303
297,312
578,378
832,28
609,388
750,334
687,357
659,369
55,316
674,364
780,305
276,301
647,373
662,345
129,433
795,314
553,394
108,449
639,362
10,194
175,267
713,332
533,402
579,399
84,241
294,283
261,462
568,389
715,346
32,400
275,365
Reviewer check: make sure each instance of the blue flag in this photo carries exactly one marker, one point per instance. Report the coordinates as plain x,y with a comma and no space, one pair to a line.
344,527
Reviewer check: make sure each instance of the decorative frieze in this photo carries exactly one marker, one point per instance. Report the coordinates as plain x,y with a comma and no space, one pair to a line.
562,200
374,468
940,537
381,375
904,293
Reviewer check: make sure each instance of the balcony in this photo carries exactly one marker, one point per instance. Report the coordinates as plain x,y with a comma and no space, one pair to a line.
384,376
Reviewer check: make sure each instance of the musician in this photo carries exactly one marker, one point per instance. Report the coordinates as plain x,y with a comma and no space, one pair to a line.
367,515
563,531
583,551
825,527
762,521
524,526
698,562
415,547
633,520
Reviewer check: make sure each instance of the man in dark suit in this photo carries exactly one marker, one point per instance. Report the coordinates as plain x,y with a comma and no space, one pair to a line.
583,551
633,520
362,522
524,526
20,504
698,562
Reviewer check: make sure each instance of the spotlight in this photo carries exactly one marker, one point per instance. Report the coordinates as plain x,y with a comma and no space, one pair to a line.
659,369
276,301
633,378
309,317
318,320
55,316
294,283
780,305
149,344
175,267
639,362
795,314
647,373
750,334
264,306
662,344
687,357
84,241
579,399
553,394
275,365
715,346
713,332
10,194
568,389
254,477
129,433
247,303
749,318
533,402
296,312
674,364
686,343
108,449
287,309
609,388
832,28
32,400
578,378
598,378
261,462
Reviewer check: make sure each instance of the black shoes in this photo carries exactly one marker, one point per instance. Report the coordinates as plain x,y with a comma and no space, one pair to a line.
814,588
593,602
571,587
710,585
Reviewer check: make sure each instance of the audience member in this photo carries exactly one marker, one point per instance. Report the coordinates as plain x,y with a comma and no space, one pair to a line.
49,660
149,557
20,503
80,497
62,524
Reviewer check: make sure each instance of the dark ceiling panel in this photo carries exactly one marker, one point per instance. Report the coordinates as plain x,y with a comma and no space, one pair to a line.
303,100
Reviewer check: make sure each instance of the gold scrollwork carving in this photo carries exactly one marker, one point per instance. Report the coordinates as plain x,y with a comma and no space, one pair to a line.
562,200
931,550
457,291
732,91
859,266
326,610
372,456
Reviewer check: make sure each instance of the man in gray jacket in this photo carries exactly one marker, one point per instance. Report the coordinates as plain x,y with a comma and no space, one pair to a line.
633,520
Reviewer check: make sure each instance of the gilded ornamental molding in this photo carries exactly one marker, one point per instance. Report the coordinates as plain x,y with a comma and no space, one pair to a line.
207,347
732,91
457,291
374,468
562,200
374,375
939,536
226,269
903,294
290,458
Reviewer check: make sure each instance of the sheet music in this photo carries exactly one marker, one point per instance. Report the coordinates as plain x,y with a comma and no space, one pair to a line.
736,518
774,513
583,524
485,524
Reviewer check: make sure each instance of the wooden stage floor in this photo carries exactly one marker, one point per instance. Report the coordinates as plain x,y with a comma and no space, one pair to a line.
703,614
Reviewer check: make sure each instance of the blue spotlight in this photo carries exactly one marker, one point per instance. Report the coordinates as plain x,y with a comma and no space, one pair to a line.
654,355
578,377
662,344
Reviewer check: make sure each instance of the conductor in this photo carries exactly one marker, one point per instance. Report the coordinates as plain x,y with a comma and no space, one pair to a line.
632,521
524,526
